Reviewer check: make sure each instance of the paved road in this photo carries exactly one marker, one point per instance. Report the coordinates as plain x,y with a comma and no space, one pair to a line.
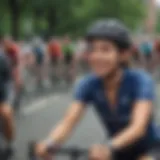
41,115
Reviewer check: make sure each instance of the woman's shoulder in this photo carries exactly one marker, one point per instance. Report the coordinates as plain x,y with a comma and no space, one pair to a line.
138,75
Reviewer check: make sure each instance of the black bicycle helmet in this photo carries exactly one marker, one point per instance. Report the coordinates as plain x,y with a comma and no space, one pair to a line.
110,29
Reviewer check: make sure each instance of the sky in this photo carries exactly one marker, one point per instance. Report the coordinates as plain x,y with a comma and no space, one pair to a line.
158,2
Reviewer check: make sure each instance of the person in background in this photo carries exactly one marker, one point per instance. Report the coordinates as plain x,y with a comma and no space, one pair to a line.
38,50
157,57
28,60
6,108
55,57
157,45
80,55
69,59
12,51
146,50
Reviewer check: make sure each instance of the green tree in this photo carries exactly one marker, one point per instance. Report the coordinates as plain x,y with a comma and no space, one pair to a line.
57,17
16,8
158,22
4,17
131,13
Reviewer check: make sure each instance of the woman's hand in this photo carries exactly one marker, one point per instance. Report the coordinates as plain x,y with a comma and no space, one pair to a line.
42,151
100,152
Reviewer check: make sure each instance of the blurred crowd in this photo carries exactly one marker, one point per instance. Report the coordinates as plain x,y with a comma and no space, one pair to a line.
44,64
49,62
146,54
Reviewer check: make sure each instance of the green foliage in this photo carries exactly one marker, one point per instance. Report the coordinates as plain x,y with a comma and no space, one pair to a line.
58,17
158,23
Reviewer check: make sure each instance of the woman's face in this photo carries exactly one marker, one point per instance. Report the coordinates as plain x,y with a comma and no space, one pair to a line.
103,57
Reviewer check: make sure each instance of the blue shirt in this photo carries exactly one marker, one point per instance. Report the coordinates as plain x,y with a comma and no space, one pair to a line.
135,85
38,51
146,48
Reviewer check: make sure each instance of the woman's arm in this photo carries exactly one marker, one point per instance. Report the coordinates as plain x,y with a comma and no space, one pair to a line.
65,127
141,115
62,131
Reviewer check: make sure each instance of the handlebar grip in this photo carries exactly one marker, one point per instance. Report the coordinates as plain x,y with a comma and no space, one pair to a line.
71,151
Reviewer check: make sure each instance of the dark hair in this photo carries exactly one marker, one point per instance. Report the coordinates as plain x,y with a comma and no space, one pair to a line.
112,30
125,65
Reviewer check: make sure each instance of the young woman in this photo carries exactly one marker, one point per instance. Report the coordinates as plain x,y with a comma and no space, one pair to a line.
123,98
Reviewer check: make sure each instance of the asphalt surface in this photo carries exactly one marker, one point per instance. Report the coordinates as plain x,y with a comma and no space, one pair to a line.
38,116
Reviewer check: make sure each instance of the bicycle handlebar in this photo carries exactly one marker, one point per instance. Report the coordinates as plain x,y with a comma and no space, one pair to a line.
76,152
73,152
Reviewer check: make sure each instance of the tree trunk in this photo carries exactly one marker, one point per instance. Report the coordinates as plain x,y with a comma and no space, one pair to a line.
15,18
52,19
36,23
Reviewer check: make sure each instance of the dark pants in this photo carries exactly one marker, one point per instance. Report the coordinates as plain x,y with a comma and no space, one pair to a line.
137,151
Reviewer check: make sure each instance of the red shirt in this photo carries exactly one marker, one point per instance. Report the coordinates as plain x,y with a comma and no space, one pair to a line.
157,45
54,49
12,52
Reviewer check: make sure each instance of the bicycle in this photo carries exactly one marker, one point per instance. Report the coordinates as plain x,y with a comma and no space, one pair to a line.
73,152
